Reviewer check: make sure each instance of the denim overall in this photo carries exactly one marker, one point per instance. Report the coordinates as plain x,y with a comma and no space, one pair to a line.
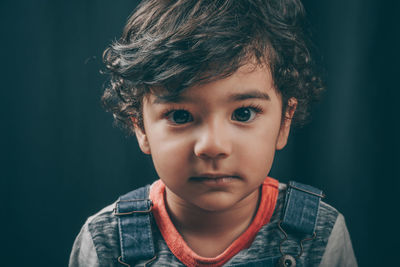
299,216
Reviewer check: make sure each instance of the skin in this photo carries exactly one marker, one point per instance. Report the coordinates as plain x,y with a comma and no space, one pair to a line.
213,147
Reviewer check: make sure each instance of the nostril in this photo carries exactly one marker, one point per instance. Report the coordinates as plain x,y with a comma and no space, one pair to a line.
211,148
211,155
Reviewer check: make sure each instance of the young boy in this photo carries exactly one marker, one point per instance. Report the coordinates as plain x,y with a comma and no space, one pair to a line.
211,88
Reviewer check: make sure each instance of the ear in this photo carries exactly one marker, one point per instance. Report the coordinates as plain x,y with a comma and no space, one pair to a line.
141,137
287,121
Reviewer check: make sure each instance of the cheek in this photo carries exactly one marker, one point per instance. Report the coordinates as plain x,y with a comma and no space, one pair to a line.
259,155
170,155
258,152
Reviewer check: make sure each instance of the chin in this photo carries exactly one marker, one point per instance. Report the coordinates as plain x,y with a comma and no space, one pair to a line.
216,204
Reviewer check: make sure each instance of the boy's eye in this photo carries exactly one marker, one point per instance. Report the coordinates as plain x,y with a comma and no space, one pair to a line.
180,116
244,114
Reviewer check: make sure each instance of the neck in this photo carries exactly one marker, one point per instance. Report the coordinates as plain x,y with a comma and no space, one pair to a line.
209,233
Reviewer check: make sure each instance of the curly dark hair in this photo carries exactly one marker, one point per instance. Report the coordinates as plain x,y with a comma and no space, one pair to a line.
170,45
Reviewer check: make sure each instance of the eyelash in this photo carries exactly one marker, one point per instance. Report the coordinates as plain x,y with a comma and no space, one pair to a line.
168,111
256,108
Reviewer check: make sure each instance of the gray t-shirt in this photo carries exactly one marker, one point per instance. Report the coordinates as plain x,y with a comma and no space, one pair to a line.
98,241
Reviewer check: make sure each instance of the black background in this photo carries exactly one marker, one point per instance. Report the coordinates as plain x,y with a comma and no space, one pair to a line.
61,159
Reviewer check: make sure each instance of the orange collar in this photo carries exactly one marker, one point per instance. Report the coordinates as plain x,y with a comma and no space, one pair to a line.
178,246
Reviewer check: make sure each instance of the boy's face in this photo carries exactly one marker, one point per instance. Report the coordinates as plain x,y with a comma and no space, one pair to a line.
213,146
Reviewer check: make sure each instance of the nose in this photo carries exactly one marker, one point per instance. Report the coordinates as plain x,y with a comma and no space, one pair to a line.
213,141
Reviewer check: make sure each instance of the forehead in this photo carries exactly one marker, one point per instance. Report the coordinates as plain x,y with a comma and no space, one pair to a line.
250,79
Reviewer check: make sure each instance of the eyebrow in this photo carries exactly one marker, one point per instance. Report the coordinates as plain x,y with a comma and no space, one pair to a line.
249,95
173,98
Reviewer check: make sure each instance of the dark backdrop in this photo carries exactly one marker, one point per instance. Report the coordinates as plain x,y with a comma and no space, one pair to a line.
61,159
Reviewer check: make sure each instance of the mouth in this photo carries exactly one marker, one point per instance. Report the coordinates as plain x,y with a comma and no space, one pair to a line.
214,179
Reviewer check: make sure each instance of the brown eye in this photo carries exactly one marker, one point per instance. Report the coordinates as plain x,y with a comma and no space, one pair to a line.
244,114
180,116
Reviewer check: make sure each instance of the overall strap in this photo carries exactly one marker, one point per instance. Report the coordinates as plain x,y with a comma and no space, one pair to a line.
301,206
300,213
136,239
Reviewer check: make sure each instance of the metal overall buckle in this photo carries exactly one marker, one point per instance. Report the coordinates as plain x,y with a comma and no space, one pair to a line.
288,260
133,211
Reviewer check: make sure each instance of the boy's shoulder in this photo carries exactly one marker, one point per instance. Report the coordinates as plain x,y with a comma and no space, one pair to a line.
98,241
269,239
332,245
103,221
103,229
327,217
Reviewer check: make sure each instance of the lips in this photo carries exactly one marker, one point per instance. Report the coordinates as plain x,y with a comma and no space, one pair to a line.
218,178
